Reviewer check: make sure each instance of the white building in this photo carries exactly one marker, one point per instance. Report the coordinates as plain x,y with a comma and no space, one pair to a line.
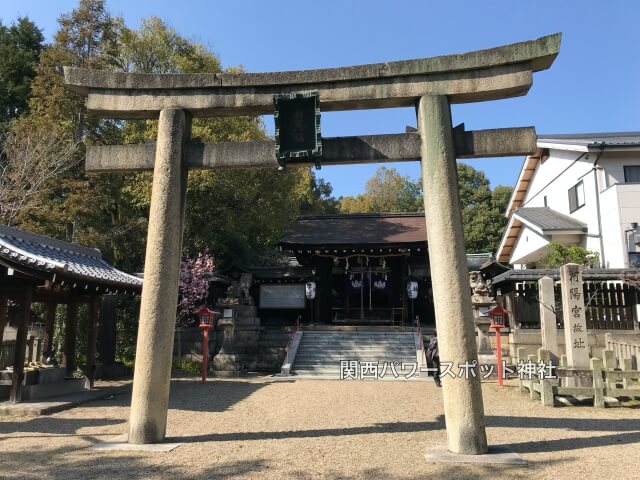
577,189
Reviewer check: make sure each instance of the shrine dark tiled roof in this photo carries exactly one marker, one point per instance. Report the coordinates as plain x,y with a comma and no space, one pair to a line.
358,229
588,274
66,260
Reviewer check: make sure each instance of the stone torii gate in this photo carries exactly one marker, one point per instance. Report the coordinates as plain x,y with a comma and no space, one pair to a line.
430,84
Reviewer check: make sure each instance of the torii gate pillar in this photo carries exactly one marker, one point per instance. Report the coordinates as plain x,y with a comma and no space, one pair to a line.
154,349
463,406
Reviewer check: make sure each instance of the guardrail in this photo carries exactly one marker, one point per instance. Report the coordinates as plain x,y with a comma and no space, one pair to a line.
296,329
420,346
601,380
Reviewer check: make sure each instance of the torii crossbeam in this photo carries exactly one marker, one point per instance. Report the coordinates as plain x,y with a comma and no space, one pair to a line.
430,84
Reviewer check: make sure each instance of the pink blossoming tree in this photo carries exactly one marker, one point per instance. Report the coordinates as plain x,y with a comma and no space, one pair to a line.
194,285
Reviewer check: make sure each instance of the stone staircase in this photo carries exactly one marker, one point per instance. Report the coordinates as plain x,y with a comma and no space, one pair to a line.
321,352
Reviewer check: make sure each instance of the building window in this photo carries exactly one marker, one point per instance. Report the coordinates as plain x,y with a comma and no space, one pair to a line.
576,196
634,259
632,174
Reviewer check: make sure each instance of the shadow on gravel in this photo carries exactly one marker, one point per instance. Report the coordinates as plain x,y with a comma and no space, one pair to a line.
577,424
57,464
427,471
55,426
213,396
402,427
626,431
576,443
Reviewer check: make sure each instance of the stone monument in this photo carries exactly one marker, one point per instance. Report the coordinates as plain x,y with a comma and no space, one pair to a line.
575,322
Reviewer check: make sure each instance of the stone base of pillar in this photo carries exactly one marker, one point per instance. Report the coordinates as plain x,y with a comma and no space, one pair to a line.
499,454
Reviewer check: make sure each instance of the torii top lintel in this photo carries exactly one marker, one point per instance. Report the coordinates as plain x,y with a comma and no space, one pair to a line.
491,74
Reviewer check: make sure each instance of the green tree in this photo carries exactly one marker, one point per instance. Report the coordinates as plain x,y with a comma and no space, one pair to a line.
560,255
236,214
20,47
386,191
482,209
319,199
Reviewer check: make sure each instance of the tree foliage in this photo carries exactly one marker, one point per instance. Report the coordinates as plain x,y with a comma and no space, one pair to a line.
31,157
482,208
560,255
20,47
386,191
238,214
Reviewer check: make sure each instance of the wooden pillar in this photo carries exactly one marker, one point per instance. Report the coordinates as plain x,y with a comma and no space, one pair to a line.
108,330
21,346
406,302
92,334
4,301
70,334
30,350
49,325
323,296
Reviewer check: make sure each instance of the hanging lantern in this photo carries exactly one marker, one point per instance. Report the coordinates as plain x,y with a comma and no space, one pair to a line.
310,290
412,289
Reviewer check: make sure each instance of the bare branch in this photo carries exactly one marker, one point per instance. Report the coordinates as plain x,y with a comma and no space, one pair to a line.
32,157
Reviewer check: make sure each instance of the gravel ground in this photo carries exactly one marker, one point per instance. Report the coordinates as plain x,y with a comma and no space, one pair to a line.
266,428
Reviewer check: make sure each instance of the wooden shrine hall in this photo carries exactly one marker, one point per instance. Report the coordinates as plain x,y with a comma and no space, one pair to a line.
361,264
39,269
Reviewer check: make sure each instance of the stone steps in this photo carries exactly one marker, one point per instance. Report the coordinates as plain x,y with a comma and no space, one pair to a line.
320,352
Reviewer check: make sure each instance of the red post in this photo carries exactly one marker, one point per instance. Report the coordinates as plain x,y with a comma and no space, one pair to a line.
499,354
206,322
205,351
498,315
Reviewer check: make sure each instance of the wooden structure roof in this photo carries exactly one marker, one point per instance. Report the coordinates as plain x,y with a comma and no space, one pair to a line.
61,263
362,229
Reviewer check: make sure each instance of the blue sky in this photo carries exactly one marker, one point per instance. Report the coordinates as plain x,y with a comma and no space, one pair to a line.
592,86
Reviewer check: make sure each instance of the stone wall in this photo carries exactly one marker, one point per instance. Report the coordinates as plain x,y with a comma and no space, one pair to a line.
531,340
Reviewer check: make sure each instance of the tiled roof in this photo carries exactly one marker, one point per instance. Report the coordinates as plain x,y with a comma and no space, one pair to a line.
65,260
614,139
475,261
360,229
548,219
533,274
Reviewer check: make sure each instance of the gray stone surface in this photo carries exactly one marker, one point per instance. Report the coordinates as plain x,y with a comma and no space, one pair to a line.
475,76
121,443
463,406
160,293
62,402
336,151
573,314
497,454
548,325
540,52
